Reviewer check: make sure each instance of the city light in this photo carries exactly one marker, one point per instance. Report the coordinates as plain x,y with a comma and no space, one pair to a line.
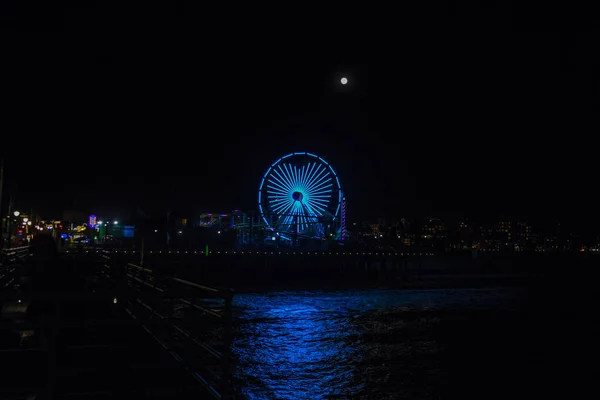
16,213
115,222
29,223
100,222
219,232
25,219
344,80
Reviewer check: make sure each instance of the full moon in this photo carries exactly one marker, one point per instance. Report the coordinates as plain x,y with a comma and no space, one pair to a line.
344,80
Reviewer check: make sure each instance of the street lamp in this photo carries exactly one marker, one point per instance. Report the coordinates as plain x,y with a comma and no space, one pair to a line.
116,222
16,213
25,219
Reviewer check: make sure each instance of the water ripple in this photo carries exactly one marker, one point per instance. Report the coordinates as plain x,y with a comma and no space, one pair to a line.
308,345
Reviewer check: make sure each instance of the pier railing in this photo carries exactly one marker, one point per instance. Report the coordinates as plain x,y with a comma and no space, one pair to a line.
192,322
14,254
10,260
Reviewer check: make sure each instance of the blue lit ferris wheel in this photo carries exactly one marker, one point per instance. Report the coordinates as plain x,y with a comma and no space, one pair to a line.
300,194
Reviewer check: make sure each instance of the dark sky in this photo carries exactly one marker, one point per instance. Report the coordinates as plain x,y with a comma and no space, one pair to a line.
476,108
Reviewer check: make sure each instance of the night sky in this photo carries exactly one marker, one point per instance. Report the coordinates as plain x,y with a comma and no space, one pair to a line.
453,108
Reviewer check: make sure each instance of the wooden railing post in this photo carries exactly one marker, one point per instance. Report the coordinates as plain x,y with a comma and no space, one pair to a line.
227,343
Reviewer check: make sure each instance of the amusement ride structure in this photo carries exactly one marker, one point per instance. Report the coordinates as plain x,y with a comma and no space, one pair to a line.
300,196
300,200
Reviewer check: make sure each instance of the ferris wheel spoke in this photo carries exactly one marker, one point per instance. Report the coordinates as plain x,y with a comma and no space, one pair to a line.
278,173
309,175
282,206
280,196
317,183
324,192
281,174
285,216
319,210
281,202
286,175
286,221
304,211
306,174
297,172
276,190
318,206
294,176
326,177
280,199
293,216
322,189
321,196
294,173
278,202
313,173
322,203
312,205
318,177
280,179
290,175
301,173
313,213
317,215
278,185
308,211
316,202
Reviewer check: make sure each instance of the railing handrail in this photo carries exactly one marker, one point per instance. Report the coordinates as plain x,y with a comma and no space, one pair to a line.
225,293
192,284
14,250
178,290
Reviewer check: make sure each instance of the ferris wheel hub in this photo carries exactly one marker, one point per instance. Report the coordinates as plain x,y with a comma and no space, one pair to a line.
297,196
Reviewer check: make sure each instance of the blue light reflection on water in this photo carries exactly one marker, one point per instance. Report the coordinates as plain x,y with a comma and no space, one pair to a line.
301,345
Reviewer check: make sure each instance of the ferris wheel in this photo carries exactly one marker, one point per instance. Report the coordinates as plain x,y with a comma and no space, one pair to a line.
300,194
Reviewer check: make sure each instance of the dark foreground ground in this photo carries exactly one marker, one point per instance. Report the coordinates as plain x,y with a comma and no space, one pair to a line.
107,356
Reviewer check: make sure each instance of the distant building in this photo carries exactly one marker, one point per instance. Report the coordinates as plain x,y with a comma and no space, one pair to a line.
460,236
433,233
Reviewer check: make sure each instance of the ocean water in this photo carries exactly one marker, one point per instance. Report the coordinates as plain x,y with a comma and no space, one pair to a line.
359,344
